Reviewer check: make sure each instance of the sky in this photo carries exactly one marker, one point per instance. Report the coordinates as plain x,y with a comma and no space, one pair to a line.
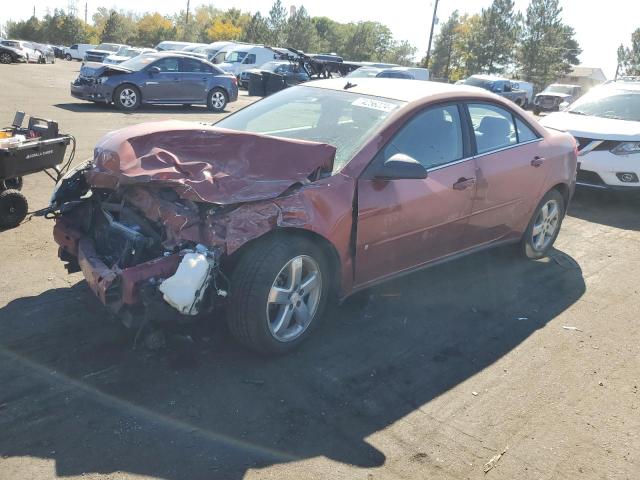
600,26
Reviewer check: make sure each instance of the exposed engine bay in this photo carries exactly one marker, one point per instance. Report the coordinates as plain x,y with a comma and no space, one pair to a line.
152,218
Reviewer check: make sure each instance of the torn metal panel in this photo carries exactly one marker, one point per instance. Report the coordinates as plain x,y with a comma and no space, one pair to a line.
206,164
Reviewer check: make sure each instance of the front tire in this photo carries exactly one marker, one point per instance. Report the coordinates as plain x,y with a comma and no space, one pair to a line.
280,288
536,111
217,100
68,57
127,98
13,208
544,227
6,58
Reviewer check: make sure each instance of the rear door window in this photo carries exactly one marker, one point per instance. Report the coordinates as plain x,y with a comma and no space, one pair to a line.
190,65
492,126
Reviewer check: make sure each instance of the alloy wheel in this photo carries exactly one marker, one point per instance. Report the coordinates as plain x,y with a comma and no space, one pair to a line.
294,298
128,97
5,58
217,100
546,225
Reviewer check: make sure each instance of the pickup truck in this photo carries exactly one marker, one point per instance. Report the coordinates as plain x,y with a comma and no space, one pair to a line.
501,86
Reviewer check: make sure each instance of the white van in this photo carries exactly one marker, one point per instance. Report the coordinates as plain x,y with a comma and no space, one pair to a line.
77,51
244,57
216,51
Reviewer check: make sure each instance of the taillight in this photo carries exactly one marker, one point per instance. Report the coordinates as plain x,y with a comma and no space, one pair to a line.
235,81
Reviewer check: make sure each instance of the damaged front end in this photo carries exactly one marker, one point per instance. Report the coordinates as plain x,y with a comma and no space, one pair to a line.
152,219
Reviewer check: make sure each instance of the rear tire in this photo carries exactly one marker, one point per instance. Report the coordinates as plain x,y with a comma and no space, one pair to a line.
536,111
544,227
68,57
217,100
269,309
13,208
6,58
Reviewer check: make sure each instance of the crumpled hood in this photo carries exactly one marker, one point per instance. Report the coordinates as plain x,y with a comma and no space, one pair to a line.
95,69
204,163
593,127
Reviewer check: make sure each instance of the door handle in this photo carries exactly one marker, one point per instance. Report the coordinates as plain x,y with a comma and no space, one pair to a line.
464,183
537,161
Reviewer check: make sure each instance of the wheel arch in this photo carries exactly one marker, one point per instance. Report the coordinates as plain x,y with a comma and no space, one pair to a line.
125,83
564,190
327,248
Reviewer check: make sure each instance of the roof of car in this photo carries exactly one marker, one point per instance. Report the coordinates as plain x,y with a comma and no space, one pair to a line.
396,88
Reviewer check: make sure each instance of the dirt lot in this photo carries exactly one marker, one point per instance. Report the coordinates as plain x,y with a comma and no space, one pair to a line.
428,377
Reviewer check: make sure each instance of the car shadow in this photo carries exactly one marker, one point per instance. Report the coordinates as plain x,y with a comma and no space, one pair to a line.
615,209
77,392
91,107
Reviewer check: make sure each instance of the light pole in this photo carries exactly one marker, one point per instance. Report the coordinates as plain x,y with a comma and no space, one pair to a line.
433,24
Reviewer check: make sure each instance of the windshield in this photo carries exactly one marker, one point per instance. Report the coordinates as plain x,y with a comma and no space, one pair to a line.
128,52
108,47
364,73
564,89
235,56
609,103
342,119
139,62
479,82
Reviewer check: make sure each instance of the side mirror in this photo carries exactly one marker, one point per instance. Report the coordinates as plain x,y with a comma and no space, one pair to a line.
400,166
154,70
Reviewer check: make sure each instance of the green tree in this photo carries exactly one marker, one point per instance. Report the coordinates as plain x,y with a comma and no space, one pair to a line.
301,32
443,54
401,53
367,41
25,30
256,30
548,48
330,34
277,24
497,39
629,57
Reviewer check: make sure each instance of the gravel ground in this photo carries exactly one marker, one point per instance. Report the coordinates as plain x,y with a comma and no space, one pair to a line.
431,376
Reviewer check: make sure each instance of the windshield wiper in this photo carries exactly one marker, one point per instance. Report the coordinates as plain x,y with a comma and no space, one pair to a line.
578,112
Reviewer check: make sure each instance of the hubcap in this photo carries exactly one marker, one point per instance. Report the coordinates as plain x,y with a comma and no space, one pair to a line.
294,298
545,225
217,100
128,97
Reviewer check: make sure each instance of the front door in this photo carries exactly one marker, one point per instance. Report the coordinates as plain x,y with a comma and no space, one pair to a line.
164,85
404,223
194,79
510,173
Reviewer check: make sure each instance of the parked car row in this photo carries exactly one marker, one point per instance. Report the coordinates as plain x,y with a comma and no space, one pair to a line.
19,51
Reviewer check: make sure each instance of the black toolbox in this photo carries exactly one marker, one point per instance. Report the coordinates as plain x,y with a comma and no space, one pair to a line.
41,152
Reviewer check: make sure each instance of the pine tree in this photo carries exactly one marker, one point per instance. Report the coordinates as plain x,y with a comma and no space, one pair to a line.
548,48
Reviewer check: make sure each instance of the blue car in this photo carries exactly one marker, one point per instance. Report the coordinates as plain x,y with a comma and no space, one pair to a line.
156,78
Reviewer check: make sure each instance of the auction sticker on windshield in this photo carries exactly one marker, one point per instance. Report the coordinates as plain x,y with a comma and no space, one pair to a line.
374,104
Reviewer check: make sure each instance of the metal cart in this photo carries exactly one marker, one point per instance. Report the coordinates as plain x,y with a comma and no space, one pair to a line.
42,150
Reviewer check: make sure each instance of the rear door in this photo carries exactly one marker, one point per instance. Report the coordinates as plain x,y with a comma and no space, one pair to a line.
404,223
195,76
511,171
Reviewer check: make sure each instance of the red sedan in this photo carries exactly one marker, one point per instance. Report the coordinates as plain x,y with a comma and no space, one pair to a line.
306,197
